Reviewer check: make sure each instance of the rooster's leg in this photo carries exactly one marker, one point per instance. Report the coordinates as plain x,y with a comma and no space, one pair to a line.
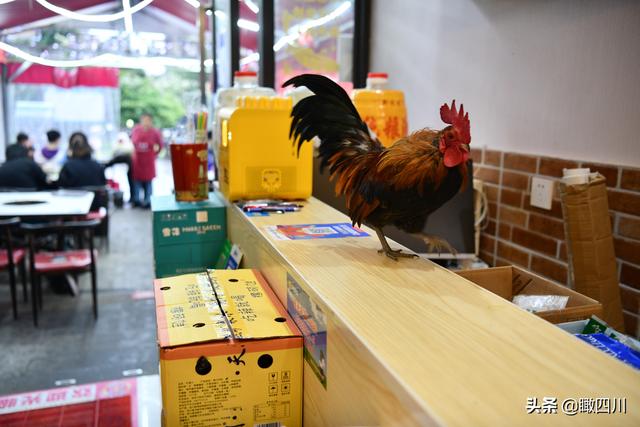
386,249
437,244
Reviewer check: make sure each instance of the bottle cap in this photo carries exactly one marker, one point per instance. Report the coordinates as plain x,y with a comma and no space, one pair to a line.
245,74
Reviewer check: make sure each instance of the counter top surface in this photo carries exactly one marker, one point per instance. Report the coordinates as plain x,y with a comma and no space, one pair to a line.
462,352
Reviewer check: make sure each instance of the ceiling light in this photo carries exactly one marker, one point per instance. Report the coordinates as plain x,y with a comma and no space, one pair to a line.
92,18
248,25
194,3
251,5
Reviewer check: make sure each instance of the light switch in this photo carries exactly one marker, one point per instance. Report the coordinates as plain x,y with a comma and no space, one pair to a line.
541,192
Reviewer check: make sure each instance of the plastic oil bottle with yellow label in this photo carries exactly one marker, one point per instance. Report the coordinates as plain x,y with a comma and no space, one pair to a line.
245,83
382,109
257,156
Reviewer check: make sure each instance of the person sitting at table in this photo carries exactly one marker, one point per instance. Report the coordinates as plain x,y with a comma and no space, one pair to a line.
81,170
50,157
22,139
20,171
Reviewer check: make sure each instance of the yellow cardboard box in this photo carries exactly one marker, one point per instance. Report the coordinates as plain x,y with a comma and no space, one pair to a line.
229,353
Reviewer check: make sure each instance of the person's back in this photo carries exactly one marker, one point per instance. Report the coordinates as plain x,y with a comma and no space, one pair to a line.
19,171
81,170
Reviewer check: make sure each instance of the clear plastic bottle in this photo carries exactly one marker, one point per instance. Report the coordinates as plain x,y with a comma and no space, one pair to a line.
383,109
245,83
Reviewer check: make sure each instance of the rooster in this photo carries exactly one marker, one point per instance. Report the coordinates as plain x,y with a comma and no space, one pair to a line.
401,184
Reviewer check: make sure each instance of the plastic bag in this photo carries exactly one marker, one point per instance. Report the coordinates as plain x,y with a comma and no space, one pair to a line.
538,303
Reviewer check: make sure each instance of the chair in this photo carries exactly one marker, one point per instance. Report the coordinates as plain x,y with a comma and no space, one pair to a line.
75,260
10,258
99,210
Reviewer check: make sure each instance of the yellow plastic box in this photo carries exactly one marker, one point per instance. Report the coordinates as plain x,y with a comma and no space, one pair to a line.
229,353
257,158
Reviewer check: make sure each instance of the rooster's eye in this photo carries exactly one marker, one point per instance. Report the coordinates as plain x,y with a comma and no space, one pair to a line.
449,136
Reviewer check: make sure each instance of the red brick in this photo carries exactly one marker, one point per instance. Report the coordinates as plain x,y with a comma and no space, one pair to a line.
488,174
515,180
487,257
555,211
492,192
511,197
627,250
546,225
520,162
631,324
630,179
534,241
513,216
490,228
548,268
492,157
624,202
630,299
513,254
504,231
553,167
492,211
487,243
630,275
609,172
629,227
562,252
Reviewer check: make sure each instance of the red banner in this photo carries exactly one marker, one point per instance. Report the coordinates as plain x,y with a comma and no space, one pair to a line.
65,77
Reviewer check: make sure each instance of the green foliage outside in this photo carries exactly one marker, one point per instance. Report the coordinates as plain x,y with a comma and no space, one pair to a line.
165,97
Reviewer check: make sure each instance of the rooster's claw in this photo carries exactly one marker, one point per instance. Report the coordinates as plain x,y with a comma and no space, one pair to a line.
395,254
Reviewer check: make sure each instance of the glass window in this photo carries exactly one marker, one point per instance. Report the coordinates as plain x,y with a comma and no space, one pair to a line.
249,29
313,36
223,43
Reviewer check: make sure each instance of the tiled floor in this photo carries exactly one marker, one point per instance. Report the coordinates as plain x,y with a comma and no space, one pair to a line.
69,344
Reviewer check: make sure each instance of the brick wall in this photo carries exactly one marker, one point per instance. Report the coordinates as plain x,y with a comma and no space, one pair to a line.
518,233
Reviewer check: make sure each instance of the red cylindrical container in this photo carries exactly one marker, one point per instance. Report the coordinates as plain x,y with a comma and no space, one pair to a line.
189,164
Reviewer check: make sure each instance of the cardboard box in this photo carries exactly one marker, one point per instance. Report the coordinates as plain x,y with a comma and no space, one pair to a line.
229,353
509,281
592,258
187,236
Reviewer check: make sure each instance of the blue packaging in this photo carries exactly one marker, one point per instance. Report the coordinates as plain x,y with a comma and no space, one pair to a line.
613,348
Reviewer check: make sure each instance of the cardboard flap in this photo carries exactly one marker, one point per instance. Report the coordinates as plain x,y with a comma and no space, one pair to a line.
218,305
187,311
249,304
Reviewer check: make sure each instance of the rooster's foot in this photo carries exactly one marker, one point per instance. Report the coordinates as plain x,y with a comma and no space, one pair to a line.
439,245
394,254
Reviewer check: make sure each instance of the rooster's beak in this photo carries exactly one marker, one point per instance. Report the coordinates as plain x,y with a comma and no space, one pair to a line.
465,147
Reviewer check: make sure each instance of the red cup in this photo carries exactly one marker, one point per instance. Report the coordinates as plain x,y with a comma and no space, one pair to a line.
189,165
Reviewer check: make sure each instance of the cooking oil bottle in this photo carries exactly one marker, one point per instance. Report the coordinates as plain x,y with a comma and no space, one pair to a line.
382,109
245,83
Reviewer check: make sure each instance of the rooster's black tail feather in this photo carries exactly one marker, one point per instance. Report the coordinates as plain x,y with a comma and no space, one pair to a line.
330,115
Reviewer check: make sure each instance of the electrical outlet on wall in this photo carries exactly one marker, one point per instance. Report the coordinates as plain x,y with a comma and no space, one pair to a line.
541,192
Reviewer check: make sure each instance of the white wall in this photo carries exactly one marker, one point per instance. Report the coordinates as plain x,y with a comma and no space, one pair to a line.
552,77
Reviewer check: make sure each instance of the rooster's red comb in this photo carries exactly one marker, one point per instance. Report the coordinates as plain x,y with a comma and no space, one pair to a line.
459,120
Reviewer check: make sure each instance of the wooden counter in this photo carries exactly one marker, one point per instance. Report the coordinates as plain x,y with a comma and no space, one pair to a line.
410,343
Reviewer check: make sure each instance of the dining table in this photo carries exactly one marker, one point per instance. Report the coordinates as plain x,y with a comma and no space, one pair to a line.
45,204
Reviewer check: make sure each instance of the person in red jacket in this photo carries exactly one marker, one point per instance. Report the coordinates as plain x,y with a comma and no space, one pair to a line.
147,142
